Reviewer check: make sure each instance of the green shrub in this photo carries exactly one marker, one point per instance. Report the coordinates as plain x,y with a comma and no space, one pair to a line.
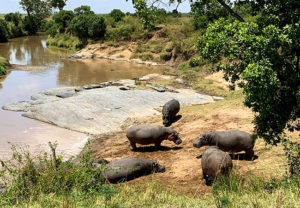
67,41
63,19
3,31
292,152
27,178
87,26
117,15
122,32
30,24
52,28
15,18
83,10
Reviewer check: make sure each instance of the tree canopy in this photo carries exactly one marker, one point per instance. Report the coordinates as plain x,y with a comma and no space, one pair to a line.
264,58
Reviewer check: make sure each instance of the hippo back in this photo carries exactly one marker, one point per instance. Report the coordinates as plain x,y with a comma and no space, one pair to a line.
232,140
127,169
215,161
146,134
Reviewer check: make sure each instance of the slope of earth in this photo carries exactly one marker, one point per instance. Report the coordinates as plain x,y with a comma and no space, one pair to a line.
183,169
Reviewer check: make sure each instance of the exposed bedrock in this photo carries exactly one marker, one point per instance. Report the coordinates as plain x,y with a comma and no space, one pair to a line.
101,108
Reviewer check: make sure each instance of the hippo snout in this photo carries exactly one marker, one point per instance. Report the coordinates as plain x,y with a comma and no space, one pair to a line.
161,169
197,144
157,168
178,141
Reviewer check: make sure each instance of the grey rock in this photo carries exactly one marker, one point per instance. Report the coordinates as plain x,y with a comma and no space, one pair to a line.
79,89
124,88
217,98
92,86
158,89
101,110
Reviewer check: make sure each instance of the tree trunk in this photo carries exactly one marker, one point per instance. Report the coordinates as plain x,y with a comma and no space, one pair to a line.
238,17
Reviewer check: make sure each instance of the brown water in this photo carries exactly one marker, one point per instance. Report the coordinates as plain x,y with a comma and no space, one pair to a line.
20,85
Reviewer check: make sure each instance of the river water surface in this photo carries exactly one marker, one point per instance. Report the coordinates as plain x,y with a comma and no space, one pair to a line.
50,71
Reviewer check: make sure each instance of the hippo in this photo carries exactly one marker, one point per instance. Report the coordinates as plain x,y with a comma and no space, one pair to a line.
215,162
169,111
130,168
228,141
150,134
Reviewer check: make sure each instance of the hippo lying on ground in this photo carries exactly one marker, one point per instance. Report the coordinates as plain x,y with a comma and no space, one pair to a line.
228,141
169,111
129,168
150,134
215,162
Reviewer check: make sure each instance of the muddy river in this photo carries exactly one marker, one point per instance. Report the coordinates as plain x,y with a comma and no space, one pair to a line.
48,70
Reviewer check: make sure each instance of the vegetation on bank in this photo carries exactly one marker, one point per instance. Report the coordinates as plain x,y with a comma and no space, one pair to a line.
3,64
255,44
48,181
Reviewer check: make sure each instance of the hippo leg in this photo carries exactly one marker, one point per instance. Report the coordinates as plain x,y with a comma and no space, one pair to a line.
133,144
250,154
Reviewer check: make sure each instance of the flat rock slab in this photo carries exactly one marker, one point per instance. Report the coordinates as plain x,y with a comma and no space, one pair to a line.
99,110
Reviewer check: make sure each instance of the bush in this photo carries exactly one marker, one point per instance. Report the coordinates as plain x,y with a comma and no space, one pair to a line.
83,10
51,28
3,31
122,32
87,26
292,152
16,18
27,177
30,24
117,15
63,19
67,41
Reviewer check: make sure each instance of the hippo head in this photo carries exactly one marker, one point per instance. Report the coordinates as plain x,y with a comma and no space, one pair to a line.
166,120
157,168
174,137
201,141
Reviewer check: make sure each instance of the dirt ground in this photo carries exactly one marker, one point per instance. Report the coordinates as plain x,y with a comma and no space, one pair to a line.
183,169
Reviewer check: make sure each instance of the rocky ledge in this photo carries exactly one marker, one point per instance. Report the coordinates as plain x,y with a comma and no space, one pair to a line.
101,108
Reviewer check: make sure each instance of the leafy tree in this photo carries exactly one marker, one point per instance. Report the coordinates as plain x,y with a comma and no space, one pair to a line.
83,10
31,24
145,14
16,18
52,28
265,58
87,26
60,4
207,11
3,31
37,11
62,19
117,15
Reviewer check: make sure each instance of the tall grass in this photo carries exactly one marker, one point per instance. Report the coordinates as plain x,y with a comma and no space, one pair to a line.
65,41
3,64
28,179
48,181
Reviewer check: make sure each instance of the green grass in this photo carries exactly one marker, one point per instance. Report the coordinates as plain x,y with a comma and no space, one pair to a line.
65,41
3,64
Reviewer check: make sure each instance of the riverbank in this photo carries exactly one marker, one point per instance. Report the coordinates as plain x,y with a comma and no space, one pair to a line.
4,63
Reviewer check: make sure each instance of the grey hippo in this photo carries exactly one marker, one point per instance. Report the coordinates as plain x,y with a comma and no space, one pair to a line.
129,168
228,141
215,162
169,111
151,134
